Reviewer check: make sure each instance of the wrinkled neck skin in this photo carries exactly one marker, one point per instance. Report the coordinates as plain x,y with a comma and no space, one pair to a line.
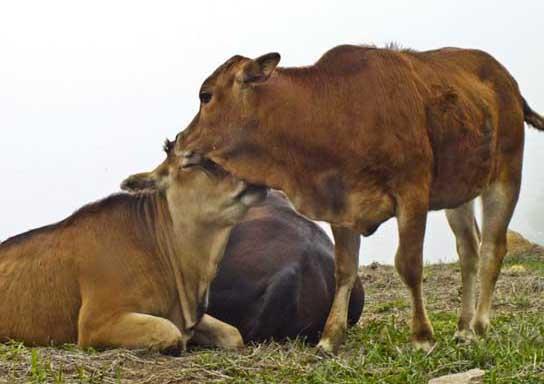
199,248
192,252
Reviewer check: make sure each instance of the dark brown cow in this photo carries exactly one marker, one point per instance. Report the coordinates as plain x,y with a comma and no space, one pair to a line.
276,279
366,134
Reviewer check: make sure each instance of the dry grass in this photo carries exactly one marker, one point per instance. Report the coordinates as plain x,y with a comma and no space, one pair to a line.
377,350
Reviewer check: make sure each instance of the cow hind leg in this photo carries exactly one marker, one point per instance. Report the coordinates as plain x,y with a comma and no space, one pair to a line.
463,225
498,203
131,330
346,261
276,314
412,218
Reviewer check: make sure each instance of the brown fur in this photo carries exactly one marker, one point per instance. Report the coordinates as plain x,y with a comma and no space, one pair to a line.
128,271
366,134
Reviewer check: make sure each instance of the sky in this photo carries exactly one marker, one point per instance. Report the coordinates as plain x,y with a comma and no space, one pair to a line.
90,90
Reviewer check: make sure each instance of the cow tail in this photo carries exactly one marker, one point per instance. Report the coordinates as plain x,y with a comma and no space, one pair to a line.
532,118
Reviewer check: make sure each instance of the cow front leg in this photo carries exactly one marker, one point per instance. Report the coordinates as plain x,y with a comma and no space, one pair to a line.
213,332
411,218
346,252
130,330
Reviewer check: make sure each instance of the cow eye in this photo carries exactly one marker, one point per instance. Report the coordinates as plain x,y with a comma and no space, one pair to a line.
205,97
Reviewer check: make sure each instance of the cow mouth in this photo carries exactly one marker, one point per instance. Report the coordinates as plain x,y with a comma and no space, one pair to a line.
248,194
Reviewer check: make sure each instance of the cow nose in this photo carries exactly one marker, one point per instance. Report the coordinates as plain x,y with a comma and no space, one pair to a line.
190,158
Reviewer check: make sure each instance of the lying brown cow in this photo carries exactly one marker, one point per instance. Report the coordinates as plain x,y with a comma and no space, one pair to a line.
276,279
129,271
366,134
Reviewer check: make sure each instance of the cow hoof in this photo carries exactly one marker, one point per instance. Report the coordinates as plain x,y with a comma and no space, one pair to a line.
481,326
423,345
233,340
464,336
174,348
325,354
174,351
326,349
422,338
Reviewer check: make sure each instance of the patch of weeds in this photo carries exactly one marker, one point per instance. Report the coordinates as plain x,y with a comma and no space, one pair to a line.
391,305
521,300
11,350
38,369
533,261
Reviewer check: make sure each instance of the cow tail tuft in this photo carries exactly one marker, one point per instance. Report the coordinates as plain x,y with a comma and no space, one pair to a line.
532,118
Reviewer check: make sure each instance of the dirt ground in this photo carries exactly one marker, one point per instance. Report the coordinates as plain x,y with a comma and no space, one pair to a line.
520,290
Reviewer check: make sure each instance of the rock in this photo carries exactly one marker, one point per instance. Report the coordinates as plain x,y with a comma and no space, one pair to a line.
517,244
374,265
469,377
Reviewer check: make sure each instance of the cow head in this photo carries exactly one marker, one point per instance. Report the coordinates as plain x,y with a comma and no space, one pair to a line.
204,189
230,126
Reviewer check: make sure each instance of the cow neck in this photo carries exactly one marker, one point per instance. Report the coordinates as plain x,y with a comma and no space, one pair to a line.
192,250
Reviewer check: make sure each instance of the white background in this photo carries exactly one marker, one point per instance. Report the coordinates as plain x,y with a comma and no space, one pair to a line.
89,90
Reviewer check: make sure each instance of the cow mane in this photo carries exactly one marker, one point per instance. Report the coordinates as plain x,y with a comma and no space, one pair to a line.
395,46
133,202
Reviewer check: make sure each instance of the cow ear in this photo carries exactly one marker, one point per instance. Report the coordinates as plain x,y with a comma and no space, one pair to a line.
261,68
139,182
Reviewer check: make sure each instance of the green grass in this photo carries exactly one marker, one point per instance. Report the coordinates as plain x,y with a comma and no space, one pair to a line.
375,351
512,353
530,261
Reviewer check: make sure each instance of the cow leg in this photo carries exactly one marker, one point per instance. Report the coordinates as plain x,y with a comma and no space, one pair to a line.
411,218
346,262
463,225
498,203
212,332
131,330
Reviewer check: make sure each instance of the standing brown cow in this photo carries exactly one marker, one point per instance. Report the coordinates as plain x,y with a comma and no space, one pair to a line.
366,134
